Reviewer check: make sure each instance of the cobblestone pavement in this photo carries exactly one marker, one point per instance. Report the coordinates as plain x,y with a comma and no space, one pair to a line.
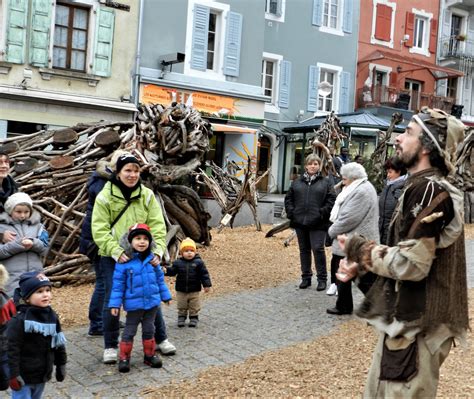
232,328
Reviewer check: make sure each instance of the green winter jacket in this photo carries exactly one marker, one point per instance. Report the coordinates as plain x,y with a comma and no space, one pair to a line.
144,208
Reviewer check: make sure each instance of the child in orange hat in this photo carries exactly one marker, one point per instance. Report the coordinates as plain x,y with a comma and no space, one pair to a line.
192,275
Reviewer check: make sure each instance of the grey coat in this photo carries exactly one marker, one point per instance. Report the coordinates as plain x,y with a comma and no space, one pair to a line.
359,213
14,256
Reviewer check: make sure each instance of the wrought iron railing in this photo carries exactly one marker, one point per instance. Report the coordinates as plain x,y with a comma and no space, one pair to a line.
457,46
398,98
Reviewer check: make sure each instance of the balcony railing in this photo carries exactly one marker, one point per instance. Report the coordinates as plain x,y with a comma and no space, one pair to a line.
458,46
404,99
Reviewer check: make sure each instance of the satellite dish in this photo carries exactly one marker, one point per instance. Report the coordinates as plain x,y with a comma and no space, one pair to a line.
324,89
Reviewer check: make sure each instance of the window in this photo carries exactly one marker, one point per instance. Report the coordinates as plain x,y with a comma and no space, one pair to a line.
325,102
275,10
415,88
330,13
70,37
268,79
211,40
271,85
452,87
419,38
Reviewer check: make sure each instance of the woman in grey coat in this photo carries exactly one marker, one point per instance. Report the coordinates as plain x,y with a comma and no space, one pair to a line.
30,239
355,211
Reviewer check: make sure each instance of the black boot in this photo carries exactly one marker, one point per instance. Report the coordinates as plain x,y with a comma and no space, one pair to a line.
305,283
181,321
321,286
193,321
124,366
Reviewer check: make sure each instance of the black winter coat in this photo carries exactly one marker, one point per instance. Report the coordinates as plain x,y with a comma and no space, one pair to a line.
308,204
191,274
387,202
8,188
30,354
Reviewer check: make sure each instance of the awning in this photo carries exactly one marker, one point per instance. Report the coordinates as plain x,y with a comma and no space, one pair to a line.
438,71
222,127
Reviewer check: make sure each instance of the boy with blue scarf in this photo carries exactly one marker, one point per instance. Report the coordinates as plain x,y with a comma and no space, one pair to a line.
35,340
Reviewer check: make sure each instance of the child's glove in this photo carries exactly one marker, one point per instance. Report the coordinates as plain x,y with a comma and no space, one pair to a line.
16,383
60,373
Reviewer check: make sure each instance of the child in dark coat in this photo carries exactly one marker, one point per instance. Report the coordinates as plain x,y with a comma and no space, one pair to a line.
140,288
35,340
191,275
7,311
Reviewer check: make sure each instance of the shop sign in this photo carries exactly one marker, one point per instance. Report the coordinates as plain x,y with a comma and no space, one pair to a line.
207,102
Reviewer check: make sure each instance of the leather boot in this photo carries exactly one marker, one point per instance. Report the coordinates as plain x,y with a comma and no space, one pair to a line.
124,356
151,359
305,283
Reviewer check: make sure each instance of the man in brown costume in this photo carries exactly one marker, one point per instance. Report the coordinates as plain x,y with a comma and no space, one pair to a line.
418,302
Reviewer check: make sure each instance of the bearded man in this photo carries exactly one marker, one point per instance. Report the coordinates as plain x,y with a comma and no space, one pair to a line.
418,303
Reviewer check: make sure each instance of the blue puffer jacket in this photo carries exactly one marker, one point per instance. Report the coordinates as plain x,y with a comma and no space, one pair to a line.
138,285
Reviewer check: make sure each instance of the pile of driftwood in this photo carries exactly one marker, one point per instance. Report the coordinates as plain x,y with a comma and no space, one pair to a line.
231,193
53,168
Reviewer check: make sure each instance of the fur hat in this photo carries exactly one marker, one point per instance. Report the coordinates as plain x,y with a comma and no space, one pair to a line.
31,281
187,243
137,229
444,130
124,159
18,199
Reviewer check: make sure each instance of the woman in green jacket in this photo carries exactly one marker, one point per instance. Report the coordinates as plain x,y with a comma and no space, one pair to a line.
123,202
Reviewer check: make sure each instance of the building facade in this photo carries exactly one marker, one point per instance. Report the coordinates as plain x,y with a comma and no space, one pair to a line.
64,62
456,50
397,56
308,69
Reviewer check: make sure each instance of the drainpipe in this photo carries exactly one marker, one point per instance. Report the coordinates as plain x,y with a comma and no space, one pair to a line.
136,76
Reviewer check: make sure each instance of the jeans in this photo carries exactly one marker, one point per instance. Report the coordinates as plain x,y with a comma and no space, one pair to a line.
4,371
29,391
134,318
111,323
312,241
334,266
97,300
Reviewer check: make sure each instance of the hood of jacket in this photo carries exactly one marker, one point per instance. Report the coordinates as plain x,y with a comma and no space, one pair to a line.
5,218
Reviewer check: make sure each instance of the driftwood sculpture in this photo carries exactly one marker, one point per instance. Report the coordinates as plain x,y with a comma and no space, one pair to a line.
231,193
53,168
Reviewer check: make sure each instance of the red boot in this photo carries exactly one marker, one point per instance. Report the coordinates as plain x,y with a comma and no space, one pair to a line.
124,356
150,358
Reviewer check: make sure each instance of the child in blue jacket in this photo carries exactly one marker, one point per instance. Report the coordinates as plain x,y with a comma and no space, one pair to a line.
140,288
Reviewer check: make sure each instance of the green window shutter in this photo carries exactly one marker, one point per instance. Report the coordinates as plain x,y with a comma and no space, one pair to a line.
17,13
40,32
104,42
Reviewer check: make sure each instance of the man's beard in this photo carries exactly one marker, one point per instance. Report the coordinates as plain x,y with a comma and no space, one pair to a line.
409,160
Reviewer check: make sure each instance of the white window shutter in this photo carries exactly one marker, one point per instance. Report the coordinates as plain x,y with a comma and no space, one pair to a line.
344,92
317,12
347,18
17,13
104,38
200,37
313,82
285,83
40,33
232,44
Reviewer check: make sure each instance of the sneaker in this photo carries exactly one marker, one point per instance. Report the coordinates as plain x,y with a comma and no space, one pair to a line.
332,290
193,321
166,348
181,321
110,356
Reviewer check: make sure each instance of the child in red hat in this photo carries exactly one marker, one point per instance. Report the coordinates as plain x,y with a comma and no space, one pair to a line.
140,288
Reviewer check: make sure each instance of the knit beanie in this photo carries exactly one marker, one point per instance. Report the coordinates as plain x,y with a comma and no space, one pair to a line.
31,281
18,199
137,229
187,243
125,159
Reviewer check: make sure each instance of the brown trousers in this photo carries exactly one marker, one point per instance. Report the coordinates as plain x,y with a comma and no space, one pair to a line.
188,301
423,385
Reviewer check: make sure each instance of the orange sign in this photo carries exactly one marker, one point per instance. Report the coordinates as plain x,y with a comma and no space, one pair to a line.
201,101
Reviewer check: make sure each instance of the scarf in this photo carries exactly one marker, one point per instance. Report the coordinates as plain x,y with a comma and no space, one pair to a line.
345,193
399,178
310,178
44,321
126,191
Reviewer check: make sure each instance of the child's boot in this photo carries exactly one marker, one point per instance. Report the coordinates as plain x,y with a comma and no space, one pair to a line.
124,356
151,359
193,321
181,321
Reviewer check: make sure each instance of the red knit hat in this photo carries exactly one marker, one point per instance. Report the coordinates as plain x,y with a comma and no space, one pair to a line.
137,229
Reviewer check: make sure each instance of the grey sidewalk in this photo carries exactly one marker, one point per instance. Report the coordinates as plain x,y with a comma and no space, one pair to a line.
232,328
